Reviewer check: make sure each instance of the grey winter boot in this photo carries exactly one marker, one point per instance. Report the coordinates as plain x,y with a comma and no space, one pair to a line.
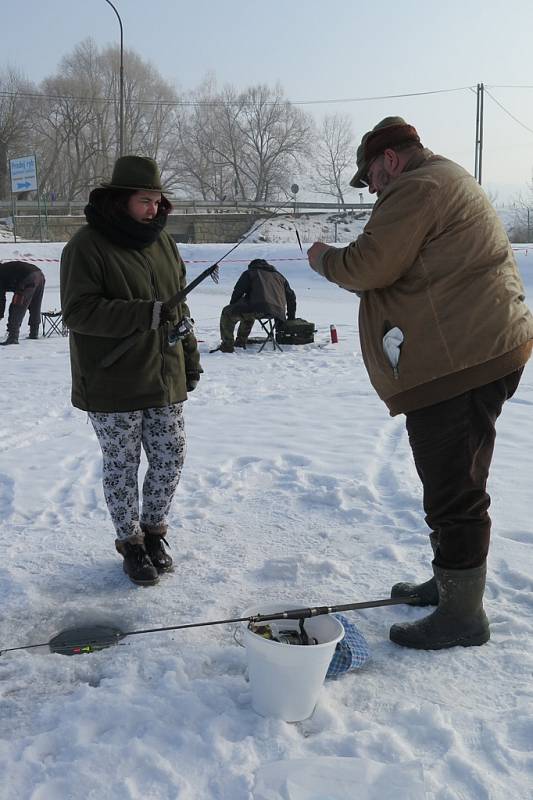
137,563
427,593
459,618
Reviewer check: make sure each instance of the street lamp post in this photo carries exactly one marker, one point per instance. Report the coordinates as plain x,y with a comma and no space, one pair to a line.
121,83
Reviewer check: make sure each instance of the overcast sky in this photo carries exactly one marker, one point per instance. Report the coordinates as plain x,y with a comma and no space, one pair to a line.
322,51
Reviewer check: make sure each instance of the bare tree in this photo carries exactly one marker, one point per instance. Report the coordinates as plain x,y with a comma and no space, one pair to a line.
334,156
520,218
244,144
276,138
78,121
211,143
74,125
150,107
203,170
16,110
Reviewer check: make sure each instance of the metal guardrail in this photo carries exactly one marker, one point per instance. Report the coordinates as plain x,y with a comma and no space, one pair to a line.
75,208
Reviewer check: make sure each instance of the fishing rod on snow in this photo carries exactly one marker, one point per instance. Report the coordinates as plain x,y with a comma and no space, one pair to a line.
77,641
185,325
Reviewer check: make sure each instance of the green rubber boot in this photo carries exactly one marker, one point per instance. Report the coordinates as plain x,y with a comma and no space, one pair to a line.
459,619
427,593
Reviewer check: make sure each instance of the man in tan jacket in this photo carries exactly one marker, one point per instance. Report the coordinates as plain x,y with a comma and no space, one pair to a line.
445,334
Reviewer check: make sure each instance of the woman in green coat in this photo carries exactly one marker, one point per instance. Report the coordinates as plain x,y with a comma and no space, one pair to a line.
116,273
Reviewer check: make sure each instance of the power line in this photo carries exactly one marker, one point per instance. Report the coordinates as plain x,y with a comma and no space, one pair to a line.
522,124
200,103
509,86
380,97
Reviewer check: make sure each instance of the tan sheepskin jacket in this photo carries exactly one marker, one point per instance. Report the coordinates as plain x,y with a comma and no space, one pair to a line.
442,306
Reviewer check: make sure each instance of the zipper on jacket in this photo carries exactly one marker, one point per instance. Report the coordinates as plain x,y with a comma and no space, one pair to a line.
160,331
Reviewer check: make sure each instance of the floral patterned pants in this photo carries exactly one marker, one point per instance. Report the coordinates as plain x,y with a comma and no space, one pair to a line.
161,433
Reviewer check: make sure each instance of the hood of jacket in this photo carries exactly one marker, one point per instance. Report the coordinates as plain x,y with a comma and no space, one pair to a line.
260,263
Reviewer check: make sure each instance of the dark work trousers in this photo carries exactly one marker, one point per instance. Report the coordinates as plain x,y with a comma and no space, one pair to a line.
237,312
29,296
452,444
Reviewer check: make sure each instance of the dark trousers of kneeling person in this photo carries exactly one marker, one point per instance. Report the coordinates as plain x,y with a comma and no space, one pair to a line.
229,317
27,297
452,444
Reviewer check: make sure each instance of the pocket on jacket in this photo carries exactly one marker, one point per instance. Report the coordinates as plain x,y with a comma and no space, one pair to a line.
392,343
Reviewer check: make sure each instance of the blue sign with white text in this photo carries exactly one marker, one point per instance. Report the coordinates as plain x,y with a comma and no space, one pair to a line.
23,174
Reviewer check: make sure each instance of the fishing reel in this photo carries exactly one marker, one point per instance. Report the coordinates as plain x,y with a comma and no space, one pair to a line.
180,331
289,636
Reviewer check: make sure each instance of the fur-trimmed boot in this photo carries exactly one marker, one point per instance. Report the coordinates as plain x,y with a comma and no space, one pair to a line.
427,593
154,542
137,563
459,618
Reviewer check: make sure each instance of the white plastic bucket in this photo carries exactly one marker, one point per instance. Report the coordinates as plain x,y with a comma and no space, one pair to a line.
286,679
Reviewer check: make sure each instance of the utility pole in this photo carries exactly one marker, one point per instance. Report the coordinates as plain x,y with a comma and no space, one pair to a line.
479,133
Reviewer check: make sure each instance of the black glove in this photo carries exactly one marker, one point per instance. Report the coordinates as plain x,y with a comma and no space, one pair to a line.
192,381
167,314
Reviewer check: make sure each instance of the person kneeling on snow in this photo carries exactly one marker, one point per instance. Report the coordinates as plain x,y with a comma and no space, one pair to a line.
26,281
261,291
115,275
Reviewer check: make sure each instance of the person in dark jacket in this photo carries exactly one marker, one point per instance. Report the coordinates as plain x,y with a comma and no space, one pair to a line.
261,291
116,274
26,281
445,333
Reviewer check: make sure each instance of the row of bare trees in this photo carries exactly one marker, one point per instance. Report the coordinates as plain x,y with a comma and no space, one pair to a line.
210,143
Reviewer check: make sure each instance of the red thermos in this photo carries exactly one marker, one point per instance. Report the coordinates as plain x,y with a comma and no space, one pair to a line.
333,334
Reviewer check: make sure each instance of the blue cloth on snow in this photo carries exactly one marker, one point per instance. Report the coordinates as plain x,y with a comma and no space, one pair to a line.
351,652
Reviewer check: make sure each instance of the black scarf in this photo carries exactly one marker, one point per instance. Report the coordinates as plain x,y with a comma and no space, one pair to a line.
118,226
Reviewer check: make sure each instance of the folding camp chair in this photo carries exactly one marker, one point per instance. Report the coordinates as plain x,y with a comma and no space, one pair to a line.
269,326
53,323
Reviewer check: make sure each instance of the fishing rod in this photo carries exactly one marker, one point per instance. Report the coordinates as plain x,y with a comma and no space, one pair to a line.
76,641
185,325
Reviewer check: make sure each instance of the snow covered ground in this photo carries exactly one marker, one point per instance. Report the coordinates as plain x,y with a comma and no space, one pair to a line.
298,487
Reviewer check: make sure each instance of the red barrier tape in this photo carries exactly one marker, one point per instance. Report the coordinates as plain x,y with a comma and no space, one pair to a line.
209,261
186,260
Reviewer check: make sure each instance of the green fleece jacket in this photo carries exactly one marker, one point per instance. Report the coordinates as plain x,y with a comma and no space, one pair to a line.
108,293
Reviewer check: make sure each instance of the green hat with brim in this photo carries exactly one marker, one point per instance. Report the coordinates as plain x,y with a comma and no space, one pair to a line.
390,132
136,173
